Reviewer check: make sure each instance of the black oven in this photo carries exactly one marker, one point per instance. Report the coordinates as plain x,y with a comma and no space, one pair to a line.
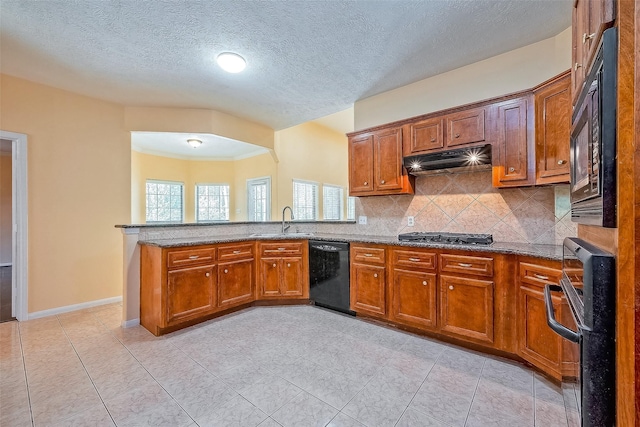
588,282
593,140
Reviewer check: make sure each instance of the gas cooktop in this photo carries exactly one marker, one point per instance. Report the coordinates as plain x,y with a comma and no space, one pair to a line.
450,238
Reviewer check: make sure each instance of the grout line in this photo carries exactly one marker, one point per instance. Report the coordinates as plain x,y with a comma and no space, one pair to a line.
484,363
26,380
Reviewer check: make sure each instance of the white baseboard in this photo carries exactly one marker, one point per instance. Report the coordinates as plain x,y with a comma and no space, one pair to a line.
74,307
130,323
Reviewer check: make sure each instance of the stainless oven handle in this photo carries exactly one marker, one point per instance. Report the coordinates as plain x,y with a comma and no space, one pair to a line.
559,328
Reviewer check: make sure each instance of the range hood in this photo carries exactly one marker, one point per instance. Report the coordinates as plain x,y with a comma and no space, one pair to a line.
459,160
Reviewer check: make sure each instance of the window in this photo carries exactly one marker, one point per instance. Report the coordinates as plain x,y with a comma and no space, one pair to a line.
305,200
351,208
332,196
212,202
259,199
164,201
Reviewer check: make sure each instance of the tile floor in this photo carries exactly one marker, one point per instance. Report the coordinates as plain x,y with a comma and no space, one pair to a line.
269,366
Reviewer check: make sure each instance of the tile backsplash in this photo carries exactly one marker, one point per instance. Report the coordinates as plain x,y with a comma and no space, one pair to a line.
467,203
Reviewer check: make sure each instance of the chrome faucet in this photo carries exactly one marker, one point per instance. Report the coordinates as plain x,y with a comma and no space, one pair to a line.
285,228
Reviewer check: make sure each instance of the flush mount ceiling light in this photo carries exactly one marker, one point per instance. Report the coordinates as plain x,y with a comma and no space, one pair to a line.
231,62
195,143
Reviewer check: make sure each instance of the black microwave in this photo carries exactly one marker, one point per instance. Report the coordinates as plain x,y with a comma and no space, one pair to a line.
593,140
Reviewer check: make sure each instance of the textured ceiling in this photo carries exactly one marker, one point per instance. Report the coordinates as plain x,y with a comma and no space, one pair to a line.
305,59
172,144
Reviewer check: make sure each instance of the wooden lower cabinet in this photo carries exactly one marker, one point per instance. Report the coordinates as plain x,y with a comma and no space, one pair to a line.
235,282
537,343
368,292
285,276
413,298
191,292
466,308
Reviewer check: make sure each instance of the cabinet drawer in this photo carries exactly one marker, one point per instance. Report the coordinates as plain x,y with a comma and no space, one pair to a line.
234,252
538,275
281,248
477,266
181,258
414,259
368,255
466,127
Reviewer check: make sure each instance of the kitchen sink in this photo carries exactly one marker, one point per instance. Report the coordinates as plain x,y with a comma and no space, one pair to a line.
281,235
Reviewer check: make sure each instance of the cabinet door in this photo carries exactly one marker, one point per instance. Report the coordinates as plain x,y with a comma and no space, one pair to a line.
190,293
578,54
269,277
388,160
426,135
537,342
361,164
466,308
292,280
368,289
466,127
553,125
413,299
235,283
513,145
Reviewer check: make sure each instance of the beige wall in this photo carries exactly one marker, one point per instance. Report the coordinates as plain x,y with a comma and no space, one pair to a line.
310,152
79,188
5,209
512,71
194,120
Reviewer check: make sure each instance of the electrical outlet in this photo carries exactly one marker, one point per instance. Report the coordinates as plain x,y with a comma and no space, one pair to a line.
362,220
411,221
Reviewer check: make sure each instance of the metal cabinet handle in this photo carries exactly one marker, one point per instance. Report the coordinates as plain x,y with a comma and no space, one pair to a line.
194,257
375,275
274,266
288,265
450,287
366,183
465,265
414,259
281,249
206,274
237,252
562,162
540,276
586,37
512,169
457,135
226,271
576,66
433,140
424,283
368,255
382,182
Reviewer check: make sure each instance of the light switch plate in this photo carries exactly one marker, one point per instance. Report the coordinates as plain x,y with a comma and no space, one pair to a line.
411,221
362,220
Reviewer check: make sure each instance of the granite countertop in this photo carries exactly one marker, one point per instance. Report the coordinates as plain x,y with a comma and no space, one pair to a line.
552,252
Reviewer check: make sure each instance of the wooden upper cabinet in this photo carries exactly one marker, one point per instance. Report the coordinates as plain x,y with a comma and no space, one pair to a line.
514,144
590,19
466,127
426,135
375,164
361,164
553,126
387,160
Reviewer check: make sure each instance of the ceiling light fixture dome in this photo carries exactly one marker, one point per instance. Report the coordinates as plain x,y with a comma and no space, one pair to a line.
195,143
231,62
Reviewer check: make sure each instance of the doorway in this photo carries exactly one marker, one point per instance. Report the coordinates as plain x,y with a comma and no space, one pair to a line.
13,226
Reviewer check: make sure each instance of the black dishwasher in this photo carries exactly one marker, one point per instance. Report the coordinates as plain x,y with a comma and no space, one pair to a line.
329,275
